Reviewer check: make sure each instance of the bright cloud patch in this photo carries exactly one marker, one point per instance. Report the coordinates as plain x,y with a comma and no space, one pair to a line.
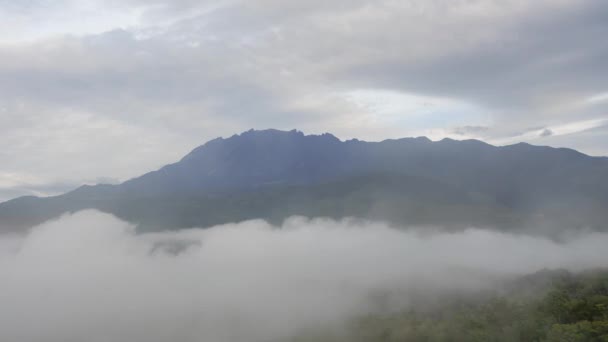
88,277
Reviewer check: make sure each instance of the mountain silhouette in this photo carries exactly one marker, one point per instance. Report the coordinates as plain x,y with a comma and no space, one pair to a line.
274,174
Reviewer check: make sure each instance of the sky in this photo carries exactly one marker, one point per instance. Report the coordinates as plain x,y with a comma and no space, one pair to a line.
102,91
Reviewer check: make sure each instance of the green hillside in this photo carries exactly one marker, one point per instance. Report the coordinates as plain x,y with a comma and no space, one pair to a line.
549,306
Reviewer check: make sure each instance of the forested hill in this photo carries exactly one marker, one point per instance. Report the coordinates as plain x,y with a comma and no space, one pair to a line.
548,306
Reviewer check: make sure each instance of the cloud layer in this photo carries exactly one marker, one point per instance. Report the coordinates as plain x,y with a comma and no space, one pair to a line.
88,277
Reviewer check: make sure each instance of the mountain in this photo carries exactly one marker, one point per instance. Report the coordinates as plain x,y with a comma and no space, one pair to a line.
275,174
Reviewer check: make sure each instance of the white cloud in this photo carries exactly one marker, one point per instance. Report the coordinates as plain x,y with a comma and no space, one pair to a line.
537,135
88,277
598,98
39,19
390,111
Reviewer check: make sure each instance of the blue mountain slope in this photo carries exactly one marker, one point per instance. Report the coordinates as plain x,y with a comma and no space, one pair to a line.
273,174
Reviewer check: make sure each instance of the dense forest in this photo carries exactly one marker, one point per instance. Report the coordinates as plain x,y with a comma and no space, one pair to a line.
555,306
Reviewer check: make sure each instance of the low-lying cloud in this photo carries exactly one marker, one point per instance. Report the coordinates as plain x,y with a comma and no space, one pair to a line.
89,277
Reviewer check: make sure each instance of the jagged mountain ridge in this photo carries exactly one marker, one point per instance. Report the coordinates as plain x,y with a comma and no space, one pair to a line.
273,174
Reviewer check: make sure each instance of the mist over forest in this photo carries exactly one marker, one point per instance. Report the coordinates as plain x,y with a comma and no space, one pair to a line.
89,276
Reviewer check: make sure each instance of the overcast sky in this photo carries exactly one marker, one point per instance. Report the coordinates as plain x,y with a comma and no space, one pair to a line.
101,91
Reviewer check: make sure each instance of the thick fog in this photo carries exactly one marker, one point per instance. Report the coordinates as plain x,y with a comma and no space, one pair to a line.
89,277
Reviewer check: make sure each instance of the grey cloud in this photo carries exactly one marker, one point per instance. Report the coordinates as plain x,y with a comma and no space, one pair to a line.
470,130
532,56
118,75
518,60
528,58
219,67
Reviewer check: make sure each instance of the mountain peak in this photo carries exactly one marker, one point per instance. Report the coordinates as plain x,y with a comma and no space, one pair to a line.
271,138
270,131
276,133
